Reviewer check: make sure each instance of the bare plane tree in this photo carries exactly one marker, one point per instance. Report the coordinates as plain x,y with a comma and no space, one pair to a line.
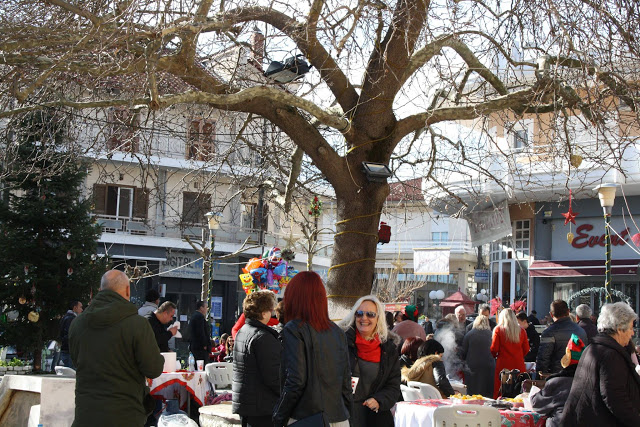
387,75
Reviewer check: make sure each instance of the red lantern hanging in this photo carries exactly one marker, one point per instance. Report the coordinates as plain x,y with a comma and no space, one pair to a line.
384,234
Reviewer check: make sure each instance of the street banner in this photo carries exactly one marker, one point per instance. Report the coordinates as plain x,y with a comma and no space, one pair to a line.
489,225
431,261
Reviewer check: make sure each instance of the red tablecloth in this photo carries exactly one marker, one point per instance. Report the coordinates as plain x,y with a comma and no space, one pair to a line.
419,413
179,385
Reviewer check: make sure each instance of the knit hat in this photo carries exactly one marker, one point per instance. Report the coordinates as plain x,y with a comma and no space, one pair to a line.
573,352
411,311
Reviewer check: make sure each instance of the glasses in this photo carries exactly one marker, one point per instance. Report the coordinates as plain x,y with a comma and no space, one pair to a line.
370,314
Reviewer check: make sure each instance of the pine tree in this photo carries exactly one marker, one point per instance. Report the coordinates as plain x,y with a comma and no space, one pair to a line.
47,237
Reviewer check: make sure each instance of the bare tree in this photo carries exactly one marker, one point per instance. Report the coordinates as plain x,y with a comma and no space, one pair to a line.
387,75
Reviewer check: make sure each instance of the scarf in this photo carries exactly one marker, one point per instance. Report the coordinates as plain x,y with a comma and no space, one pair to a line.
368,350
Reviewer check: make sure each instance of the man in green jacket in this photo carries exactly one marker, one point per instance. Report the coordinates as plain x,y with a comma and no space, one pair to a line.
113,350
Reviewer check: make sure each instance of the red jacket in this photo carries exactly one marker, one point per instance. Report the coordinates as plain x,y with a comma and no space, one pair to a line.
509,355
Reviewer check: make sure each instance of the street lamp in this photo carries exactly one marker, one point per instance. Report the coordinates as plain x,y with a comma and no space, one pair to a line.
607,196
437,296
213,223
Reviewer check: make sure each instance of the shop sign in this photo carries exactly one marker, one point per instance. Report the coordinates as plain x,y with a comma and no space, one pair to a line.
583,239
184,265
589,240
489,225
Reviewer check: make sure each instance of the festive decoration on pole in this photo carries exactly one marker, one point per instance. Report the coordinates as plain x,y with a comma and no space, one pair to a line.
315,209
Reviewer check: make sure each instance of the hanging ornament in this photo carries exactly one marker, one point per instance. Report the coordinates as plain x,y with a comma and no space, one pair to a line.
33,289
69,271
93,257
26,269
33,316
636,239
315,208
69,255
384,233
22,300
570,216
570,237
575,160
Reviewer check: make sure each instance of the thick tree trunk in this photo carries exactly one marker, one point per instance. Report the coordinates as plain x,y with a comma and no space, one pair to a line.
353,262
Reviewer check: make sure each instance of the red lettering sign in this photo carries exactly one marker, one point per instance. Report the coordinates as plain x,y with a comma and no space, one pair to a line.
583,239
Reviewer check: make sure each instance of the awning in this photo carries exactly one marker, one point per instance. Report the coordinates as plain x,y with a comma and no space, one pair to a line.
581,268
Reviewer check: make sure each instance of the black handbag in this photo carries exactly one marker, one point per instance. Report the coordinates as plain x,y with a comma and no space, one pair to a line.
511,382
315,420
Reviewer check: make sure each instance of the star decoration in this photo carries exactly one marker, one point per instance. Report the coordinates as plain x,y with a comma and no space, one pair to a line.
291,240
399,265
570,216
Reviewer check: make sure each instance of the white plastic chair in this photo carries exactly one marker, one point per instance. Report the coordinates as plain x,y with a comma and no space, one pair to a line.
427,391
220,374
409,393
467,416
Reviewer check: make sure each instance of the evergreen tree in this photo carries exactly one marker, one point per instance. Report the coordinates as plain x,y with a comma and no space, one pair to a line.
47,237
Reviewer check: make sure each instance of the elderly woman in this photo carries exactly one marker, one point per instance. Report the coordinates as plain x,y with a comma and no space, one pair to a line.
374,361
480,364
256,367
606,387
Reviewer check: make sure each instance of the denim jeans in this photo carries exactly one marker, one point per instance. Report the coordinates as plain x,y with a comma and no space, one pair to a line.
65,358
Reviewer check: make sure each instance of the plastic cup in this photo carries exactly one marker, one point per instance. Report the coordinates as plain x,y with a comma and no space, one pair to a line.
200,364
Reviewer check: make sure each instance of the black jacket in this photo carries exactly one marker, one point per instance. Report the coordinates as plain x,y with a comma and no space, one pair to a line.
606,387
307,387
65,323
553,344
160,332
551,399
199,333
256,370
534,343
589,328
386,387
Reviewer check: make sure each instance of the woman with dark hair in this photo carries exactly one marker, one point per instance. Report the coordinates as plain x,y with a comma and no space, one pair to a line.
429,368
256,386
373,357
229,345
316,380
409,351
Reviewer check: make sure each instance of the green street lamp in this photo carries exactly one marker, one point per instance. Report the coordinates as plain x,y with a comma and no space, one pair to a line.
607,196
213,221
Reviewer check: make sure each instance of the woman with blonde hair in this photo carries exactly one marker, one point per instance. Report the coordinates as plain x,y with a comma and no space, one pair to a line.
509,346
373,357
480,365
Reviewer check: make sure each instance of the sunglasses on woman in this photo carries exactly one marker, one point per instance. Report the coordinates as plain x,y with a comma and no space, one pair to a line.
370,314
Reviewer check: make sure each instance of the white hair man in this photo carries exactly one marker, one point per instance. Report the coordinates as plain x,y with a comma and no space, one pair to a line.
583,316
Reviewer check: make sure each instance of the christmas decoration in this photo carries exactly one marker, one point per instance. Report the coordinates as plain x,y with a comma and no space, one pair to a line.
33,316
570,216
570,237
22,300
636,239
575,160
69,255
315,209
384,234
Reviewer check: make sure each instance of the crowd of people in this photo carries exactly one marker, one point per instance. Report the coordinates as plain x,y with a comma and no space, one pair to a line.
292,363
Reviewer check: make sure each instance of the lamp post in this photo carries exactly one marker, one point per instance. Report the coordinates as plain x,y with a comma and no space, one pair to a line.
213,223
437,296
607,196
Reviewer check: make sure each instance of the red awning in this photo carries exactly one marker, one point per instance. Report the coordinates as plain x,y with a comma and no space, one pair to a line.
581,268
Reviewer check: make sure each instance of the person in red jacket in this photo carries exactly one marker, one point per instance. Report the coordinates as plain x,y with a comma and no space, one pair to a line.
509,346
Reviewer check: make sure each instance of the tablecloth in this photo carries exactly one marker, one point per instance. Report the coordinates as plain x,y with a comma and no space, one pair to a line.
172,385
419,413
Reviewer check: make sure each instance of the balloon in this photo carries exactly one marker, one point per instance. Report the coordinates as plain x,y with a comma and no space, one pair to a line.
246,278
253,263
280,270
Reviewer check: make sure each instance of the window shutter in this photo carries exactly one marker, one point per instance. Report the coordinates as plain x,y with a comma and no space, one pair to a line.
99,198
140,202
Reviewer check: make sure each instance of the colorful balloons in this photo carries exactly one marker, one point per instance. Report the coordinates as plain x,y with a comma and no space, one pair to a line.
269,272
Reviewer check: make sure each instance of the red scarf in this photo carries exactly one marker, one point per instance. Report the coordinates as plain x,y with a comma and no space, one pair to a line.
368,350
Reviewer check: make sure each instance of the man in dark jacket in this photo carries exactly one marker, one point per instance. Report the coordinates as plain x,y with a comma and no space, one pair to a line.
583,315
533,319
532,336
554,339
114,350
75,308
159,320
199,333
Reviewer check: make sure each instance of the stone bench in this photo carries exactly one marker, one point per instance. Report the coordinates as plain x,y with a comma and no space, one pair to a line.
218,416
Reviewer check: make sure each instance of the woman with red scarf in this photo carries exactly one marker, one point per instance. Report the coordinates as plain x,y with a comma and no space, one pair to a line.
374,362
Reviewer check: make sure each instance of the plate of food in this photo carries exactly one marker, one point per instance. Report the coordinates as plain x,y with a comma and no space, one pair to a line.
466,399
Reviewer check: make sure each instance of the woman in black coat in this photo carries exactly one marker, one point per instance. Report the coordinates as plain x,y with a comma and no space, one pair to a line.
480,364
256,366
606,388
374,361
316,380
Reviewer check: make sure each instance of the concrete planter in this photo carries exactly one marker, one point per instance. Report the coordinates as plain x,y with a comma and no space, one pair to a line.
3,369
10,368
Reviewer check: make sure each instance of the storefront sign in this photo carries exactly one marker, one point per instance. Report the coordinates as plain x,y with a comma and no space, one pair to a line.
188,265
216,307
585,237
431,261
489,225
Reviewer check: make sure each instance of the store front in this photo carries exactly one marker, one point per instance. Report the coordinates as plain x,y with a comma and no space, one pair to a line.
575,270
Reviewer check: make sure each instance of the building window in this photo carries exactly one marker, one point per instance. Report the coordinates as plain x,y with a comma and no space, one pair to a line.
515,246
440,236
194,207
520,139
249,216
123,126
120,201
201,139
